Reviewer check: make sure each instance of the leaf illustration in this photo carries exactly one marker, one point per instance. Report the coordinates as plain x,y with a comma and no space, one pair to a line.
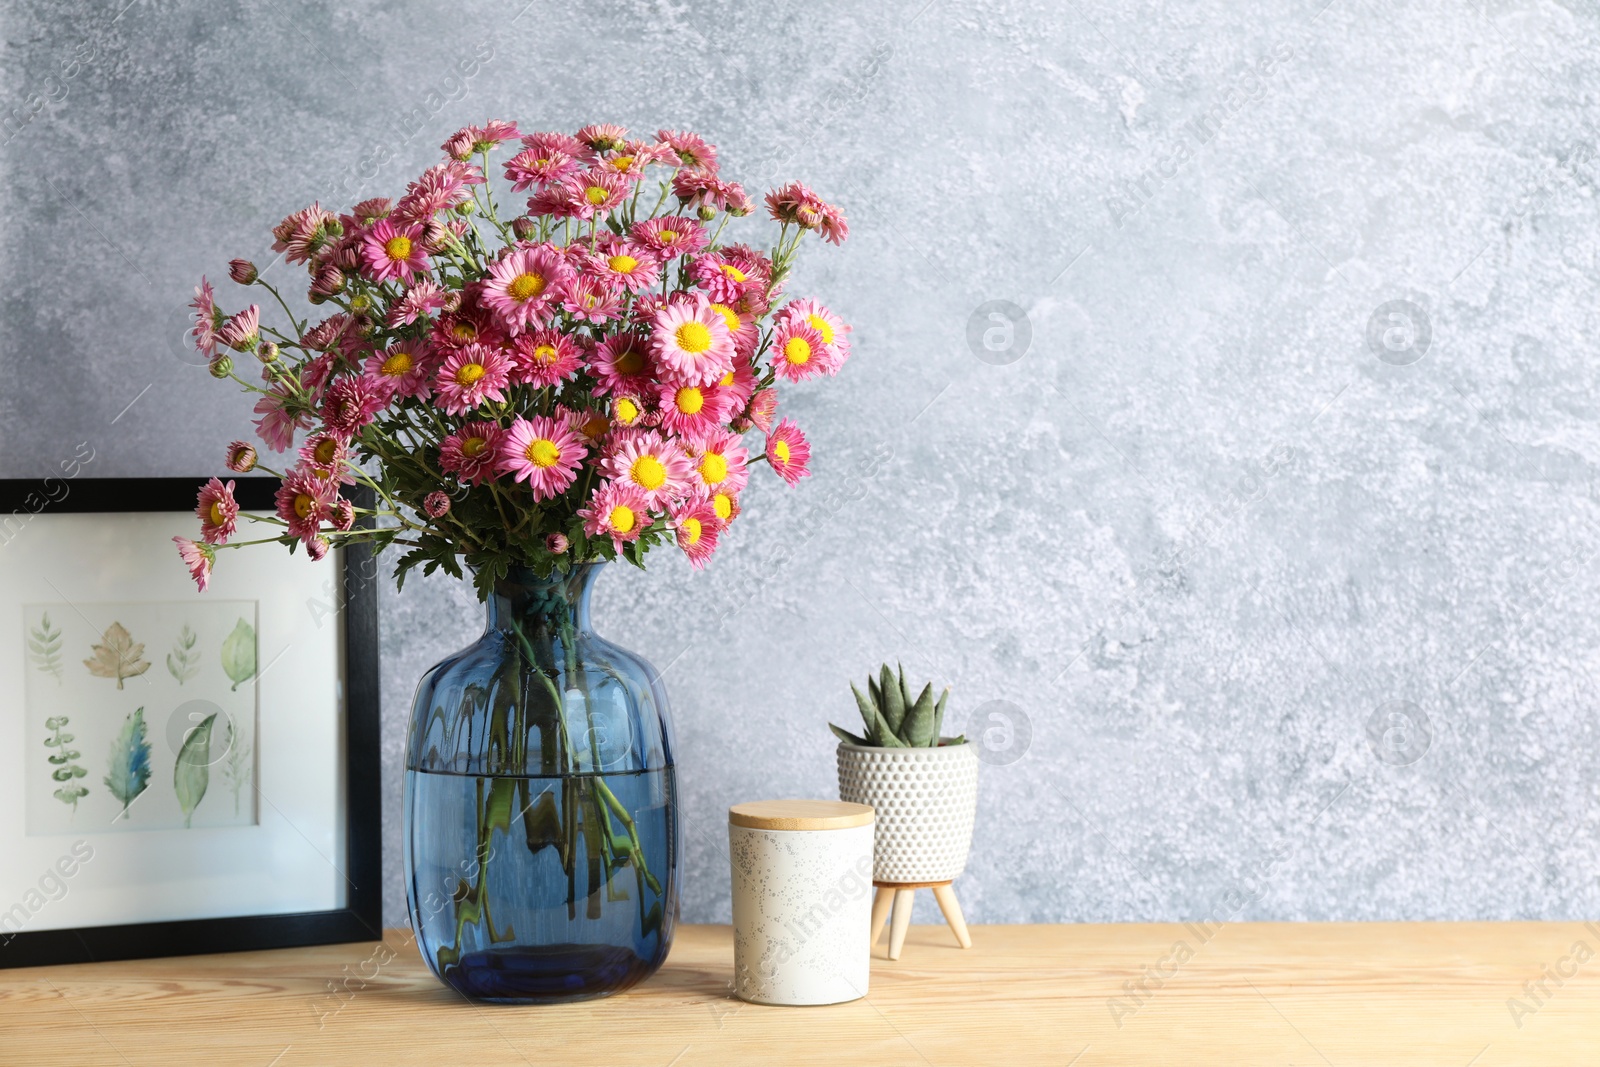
183,662
239,653
193,774
130,761
65,770
44,646
238,767
118,656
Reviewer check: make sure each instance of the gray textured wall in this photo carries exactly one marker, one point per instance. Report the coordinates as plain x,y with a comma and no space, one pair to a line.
1220,529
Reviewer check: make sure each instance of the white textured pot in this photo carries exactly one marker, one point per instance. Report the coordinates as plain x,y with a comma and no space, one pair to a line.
924,800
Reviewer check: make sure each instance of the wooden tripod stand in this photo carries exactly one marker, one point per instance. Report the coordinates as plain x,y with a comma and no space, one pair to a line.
901,895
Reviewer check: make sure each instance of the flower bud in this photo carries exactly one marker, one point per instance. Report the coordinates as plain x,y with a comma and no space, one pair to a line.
436,505
241,457
221,367
317,547
556,544
267,351
525,227
360,302
464,208
707,212
344,515
242,271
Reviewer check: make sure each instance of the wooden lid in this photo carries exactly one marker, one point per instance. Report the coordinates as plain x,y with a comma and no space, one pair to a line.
799,815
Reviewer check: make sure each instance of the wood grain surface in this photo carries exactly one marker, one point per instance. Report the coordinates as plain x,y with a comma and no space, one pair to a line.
1457,994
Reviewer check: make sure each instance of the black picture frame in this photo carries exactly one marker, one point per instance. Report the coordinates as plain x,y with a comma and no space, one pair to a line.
361,917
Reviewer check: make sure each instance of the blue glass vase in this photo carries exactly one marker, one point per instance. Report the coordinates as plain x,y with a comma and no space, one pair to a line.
542,831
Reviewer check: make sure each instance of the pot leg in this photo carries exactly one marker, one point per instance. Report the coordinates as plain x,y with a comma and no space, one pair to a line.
946,896
902,921
880,913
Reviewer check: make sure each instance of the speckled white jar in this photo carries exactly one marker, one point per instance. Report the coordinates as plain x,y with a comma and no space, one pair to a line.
925,800
802,900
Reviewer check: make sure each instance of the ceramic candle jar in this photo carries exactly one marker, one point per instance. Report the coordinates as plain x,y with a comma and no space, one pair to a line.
802,900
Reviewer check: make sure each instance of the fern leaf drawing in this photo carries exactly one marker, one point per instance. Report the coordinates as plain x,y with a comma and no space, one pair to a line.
193,774
130,761
44,647
118,656
66,771
183,662
239,653
237,769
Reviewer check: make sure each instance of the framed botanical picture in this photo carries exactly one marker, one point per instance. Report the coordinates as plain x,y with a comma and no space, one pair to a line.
180,772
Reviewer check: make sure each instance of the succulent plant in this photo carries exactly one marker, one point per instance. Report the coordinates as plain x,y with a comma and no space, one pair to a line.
893,718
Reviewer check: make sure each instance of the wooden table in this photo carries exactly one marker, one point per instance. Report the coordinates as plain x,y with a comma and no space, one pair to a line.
1316,994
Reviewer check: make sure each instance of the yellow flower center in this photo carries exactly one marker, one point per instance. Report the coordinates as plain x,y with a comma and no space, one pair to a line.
821,325
797,350
622,518
397,365
781,450
542,453
726,379
689,400
397,248
326,449
468,373
729,316
473,446
693,338
627,411
216,513
526,286
666,237
722,504
713,467
733,272
595,426
463,330
596,195
622,264
545,354
648,473
622,162
304,505
691,530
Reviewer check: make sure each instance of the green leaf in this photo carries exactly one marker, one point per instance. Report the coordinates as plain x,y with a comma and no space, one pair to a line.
894,705
239,653
192,774
938,714
869,714
918,730
130,761
845,735
905,690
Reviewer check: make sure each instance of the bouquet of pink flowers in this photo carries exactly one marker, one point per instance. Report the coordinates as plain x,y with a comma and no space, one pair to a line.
571,384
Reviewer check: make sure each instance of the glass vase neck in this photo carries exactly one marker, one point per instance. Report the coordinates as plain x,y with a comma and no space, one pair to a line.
524,601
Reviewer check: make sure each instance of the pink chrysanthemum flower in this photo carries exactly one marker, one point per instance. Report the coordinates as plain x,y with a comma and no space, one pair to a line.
833,228
590,299
328,334
618,511
241,457
742,328
552,202
376,207
723,280
670,235
527,285
720,462
317,548
738,384
343,516
469,376
788,452
304,233
423,296
545,143
763,406
304,501
198,558
394,252
797,351
556,544
531,167
704,191
327,456
543,452
544,358
436,505
697,526
595,192
469,141
691,343
470,452
833,330
691,410
626,161
726,506
218,512
205,319
439,188
603,136
626,266
692,150
276,426
402,369
796,205
655,465
350,403
591,426
242,332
